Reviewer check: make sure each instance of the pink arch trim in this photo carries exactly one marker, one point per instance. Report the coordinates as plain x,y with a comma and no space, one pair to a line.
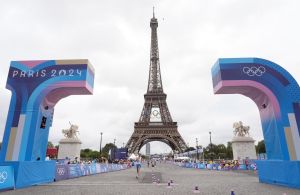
257,85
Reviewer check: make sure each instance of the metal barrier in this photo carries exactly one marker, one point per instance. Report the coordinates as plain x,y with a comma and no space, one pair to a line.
216,166
7,180
67,171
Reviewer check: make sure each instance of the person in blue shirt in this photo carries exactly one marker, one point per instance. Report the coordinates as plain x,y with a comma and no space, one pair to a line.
138,165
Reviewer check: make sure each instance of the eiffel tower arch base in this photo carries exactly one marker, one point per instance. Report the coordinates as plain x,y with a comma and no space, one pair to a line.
146,139
163,133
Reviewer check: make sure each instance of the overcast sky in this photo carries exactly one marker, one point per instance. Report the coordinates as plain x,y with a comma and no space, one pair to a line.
115,37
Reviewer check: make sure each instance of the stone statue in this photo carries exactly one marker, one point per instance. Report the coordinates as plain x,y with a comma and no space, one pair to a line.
70,146
240,130
71,132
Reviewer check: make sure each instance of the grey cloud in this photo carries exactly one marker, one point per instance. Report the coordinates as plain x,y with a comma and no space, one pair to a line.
115,37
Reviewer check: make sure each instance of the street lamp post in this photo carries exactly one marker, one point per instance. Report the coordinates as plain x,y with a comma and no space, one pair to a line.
101,143
114,148
203,153
188,150
210,138
210,143
197,148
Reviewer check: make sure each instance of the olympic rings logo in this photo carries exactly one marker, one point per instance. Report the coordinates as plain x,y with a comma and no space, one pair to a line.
254,71
155,113
61,171
3,176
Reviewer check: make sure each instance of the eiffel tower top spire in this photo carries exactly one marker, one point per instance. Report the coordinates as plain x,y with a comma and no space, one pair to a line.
154,82
153,12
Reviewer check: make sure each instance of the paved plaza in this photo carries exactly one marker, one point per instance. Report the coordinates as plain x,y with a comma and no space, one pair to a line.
185,180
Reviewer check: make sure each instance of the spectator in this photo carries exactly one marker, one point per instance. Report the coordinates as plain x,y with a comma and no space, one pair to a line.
138,167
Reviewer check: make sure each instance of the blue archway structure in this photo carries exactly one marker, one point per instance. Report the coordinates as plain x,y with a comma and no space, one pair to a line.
277,96
36,87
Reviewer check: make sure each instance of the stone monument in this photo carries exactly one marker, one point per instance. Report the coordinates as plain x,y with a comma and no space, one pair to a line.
242,144
69,147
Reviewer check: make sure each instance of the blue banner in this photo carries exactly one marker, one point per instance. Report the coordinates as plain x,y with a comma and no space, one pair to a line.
209,166
6,177
74,170
67,171
109,167
93,168
85,169
219,167
62,172
104,168
201,166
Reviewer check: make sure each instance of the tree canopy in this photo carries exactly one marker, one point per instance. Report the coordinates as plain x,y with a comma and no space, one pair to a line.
93,154
50,145
225,152
189,149
89,154
261,148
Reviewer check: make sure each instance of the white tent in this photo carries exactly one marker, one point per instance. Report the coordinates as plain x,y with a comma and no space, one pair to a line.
133,157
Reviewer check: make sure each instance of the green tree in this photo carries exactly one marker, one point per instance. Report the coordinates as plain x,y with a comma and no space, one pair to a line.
94,154
83,154
189,149
221,151
50,145
218,151
106,149
229,154
210,151
261,148
89,154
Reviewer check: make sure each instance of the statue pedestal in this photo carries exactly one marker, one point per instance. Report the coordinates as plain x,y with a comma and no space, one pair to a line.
243,148
69,147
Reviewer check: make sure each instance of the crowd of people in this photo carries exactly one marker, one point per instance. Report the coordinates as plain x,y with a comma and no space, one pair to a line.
89,161
223,164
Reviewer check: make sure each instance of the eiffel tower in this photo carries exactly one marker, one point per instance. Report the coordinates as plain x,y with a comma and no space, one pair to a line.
155,123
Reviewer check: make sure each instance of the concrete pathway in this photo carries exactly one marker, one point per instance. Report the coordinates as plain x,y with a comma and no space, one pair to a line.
185,180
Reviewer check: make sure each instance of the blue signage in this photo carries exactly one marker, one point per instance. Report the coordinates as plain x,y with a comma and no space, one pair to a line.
36,88
67,171
277,96
6,177
74,171
62,172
